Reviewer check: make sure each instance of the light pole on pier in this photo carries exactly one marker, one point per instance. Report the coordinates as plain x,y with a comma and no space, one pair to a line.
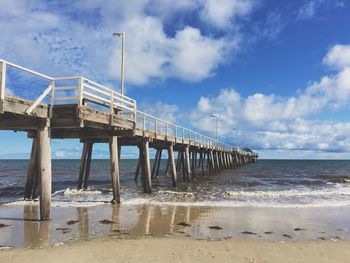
122,35
216,130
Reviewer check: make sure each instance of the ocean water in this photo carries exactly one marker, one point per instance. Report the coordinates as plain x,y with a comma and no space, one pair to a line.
267,183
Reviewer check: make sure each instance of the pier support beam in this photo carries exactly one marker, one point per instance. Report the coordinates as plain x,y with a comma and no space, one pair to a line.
172,166
138,167
114,158
44,139
145,167
32,173
85,164
187,165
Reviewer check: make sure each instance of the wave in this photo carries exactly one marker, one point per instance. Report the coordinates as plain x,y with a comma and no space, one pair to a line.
229,203
292,192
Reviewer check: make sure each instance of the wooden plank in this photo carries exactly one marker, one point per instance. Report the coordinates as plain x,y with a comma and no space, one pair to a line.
113,151
38,100
17,105
172,165
32,167
45,172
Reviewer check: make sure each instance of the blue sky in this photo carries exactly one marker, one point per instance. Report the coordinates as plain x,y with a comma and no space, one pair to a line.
278,71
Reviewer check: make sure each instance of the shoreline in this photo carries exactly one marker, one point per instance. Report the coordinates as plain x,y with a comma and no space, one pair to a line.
155,249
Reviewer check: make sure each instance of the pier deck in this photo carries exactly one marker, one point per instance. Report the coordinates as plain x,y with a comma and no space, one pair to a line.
76,107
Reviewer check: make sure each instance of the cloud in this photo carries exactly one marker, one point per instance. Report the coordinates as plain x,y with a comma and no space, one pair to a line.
76,39
221,13
310,8
161,110
268,121
338,57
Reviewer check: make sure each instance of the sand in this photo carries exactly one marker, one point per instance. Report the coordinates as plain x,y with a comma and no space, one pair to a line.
148,233
185,250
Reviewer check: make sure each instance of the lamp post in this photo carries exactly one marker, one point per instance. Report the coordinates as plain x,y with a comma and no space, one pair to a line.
122,35
216,130
235,130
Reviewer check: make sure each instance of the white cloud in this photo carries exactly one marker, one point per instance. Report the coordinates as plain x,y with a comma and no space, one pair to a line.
310,8
221,13
338,57
274,122
164,111
77,38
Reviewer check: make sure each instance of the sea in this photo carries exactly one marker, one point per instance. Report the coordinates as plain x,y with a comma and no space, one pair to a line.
267,183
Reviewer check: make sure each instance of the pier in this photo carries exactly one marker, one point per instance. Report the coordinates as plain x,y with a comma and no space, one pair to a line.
76,107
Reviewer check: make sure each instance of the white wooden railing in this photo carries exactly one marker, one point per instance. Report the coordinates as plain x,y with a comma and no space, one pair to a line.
82,91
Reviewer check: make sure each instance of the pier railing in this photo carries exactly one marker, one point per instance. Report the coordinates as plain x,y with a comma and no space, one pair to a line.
84,92
159,128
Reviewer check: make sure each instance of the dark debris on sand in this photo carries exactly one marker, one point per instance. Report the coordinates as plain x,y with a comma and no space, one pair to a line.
183,224
299,229
287,236
106,222
215,227
248,233
3,225
269,232
64,230
72,222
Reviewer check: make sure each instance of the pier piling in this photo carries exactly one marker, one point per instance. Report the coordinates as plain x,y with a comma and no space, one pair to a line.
113,151
45,172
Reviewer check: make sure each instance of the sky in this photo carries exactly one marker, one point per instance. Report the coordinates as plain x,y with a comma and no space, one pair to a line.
277,71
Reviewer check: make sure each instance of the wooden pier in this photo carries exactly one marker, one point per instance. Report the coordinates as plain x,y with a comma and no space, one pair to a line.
76,107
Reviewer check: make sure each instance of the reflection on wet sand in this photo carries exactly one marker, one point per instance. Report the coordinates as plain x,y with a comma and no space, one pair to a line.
83,221
127,221
35,233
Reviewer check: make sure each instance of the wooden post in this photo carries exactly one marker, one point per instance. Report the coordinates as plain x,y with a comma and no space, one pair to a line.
158,162
155,163
146,165
82,165
119,151
183,166
172,164
187,163
178,161
202,163
138,167
87,167
32,170
167,167
44,139
193,163
113,152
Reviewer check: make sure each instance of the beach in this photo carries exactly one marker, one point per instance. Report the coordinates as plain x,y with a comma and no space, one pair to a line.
185,250
272,211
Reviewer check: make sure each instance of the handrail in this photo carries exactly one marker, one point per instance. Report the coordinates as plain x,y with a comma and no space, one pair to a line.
26,69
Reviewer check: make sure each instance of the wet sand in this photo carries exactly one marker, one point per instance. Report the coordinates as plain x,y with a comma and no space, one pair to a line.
176,233
19,226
